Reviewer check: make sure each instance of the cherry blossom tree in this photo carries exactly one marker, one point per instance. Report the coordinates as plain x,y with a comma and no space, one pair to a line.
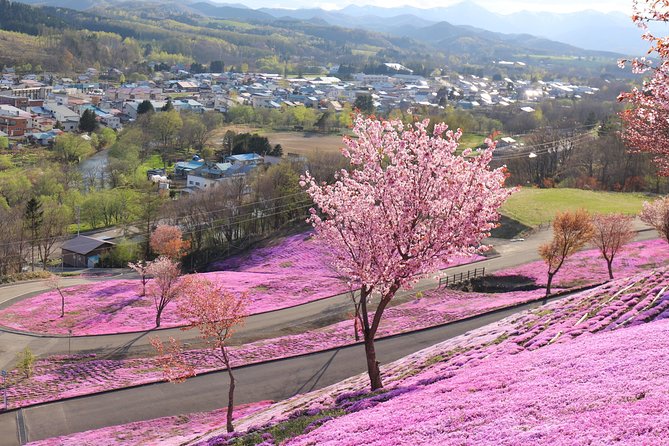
408,203
571,231
656,214
216,313
168,241
647,118
610,233
141,269
164,287
53,282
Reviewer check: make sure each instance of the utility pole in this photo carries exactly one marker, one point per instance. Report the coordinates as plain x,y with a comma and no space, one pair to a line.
78,215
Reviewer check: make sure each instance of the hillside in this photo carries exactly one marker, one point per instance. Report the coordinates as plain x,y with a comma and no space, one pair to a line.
587,369
133,32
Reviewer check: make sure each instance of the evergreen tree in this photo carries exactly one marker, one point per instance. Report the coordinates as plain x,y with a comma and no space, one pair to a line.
34,216
216,66
88,123
168,106
364,103
145,107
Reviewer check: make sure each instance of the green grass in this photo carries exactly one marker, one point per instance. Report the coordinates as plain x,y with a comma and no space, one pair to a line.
533,207
285,430
153,162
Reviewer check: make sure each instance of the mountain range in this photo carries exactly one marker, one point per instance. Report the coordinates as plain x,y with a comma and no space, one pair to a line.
589,29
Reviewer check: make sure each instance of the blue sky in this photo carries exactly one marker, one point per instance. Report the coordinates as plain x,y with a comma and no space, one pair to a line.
501,6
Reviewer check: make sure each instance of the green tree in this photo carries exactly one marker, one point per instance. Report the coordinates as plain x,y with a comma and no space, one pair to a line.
145,107
216,66
168,106
15,186
106,138
33,216
364,103
88,122
72,148
4,142
165,127
25,361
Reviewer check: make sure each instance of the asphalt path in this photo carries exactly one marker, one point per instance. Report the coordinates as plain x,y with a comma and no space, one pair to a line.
275,380
292,320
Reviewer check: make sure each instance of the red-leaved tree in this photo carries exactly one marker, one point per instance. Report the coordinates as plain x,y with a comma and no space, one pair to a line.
656,214
646,120
571,231
409,202
609,233
168,241
216,313
164,287
171,358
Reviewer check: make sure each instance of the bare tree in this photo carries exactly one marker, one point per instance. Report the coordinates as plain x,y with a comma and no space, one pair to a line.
610,233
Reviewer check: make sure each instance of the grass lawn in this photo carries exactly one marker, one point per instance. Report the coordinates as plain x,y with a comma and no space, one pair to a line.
535,206
153,162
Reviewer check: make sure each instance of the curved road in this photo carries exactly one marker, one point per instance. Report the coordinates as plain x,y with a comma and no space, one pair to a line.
275,380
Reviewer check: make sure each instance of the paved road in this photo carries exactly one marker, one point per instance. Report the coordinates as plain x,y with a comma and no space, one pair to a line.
290,320
275,380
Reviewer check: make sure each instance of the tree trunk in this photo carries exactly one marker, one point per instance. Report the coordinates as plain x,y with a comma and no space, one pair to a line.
231,392
548,284
372,364
608,263
158,313
62,304
370,352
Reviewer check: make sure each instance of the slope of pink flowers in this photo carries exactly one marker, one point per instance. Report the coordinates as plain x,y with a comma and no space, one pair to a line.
605,389
588,369
293,271
588,266
66,376
167,431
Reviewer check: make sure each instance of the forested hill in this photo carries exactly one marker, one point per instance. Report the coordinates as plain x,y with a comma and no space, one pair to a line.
130,34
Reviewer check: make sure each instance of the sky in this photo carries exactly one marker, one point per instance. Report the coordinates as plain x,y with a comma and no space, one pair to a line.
500,6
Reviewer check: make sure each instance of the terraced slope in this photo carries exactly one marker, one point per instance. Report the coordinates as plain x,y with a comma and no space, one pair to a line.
589,369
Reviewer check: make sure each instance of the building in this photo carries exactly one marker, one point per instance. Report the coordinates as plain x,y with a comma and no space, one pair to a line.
84,252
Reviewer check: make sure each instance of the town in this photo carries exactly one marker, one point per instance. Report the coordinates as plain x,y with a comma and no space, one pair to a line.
236,225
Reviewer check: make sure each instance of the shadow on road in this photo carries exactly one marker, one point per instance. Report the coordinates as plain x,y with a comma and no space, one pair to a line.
122,350
306,387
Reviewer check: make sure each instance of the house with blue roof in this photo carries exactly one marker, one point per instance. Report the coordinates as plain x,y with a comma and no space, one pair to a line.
245,159
209,174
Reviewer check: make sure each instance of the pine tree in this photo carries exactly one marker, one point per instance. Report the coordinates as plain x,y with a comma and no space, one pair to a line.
34,216
145,107
88,123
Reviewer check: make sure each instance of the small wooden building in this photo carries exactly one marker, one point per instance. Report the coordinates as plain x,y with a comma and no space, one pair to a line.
84,252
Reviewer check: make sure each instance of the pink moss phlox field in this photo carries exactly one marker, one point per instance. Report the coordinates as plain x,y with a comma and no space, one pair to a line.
607,389
60,377
167,431
588,266
586,369
291,272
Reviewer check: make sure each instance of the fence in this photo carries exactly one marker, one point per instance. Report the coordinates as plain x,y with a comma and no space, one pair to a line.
461,277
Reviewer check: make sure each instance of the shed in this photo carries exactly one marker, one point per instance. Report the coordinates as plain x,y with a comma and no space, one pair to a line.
84,252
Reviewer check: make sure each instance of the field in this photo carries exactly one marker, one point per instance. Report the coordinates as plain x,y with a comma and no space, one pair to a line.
533,207
584,370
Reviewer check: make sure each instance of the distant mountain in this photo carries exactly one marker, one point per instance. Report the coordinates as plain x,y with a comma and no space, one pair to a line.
230,12
593,30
